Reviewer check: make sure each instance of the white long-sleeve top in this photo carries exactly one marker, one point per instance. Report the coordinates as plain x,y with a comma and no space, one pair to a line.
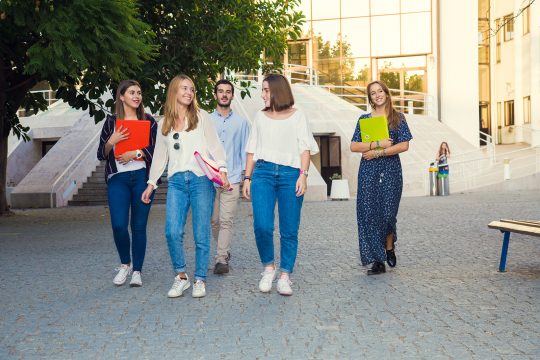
281,141
203,139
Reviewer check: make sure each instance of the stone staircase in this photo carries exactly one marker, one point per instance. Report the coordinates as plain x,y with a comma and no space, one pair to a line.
94,190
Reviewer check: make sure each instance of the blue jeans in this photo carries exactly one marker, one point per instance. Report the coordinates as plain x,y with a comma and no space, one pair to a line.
187,189
124,191
270,183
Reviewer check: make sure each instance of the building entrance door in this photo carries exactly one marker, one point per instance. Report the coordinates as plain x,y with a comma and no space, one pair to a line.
484,122
329,161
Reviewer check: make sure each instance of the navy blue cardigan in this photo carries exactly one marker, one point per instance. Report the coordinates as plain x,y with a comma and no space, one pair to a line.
106,132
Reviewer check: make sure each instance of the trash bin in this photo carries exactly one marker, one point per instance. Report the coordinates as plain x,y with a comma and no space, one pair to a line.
443,177
432,179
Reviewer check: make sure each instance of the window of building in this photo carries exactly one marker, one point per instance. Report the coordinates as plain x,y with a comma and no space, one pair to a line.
384,7
416,33
387,24
498,40
527,110
354,8
508,27
321,9
509,113
415,5
526,19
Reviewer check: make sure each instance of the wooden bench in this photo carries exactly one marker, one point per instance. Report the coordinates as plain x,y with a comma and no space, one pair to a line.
527,227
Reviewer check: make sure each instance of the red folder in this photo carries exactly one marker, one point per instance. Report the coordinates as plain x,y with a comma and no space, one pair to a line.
210,168
139,136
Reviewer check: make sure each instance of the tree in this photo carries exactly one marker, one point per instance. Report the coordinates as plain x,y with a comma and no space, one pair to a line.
204,38
82,48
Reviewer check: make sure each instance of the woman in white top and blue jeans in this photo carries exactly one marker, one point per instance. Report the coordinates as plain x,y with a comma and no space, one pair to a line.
279,149
184,130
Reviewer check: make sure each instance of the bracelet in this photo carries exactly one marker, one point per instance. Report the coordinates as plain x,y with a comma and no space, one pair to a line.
247,178
371,143
378,143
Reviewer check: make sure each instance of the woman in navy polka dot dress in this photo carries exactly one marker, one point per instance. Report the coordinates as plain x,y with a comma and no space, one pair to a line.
380,182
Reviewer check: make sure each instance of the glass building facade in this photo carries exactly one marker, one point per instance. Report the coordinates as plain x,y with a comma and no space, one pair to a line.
351,42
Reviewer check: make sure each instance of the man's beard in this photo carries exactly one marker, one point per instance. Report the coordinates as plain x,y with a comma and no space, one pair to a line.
226,105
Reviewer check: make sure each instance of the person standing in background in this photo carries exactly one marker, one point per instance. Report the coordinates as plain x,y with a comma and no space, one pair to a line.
443,152
233,131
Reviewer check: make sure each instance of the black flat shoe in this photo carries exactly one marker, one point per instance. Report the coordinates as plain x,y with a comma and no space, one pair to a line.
391,257
377,268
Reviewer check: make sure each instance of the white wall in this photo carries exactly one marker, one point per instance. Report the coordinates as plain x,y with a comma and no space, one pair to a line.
459,67
518,73
534,79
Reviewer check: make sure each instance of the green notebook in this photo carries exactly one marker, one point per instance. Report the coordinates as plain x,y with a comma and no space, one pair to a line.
374,128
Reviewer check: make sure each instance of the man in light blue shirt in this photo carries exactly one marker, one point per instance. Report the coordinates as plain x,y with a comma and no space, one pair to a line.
233,131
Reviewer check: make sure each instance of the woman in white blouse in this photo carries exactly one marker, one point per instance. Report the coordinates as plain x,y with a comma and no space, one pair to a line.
184,130
278,158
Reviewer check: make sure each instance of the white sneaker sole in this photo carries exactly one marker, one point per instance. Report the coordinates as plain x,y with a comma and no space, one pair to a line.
181,293
196,296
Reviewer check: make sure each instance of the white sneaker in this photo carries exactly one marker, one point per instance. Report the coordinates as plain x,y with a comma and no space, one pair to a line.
136,280
199,289
123,272
178,287
265,285
284,287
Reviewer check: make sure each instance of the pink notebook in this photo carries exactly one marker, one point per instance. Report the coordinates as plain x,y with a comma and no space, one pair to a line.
210,168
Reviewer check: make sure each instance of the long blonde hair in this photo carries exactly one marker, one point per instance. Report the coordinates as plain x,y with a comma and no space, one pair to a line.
391,114
171,111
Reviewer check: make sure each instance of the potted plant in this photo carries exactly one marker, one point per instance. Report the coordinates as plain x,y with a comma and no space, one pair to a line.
339,188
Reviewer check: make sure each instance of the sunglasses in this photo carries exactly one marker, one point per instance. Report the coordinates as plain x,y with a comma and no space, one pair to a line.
176,136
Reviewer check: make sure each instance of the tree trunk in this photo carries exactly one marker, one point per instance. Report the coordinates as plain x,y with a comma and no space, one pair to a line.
3,171
4,133
15,99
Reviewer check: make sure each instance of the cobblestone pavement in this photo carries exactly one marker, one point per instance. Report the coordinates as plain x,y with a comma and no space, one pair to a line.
444,300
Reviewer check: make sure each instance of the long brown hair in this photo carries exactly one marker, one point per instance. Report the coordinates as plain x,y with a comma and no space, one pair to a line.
119,105
446,152
281,97
171,110
391,114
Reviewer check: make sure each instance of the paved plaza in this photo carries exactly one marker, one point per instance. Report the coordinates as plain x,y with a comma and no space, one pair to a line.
444,300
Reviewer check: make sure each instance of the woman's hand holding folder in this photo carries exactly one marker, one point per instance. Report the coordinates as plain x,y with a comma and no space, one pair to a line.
119,134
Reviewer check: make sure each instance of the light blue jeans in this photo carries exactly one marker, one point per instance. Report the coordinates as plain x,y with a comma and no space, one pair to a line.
186,189
270,183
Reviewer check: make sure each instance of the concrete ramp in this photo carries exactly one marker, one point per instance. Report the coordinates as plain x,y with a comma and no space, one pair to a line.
52,182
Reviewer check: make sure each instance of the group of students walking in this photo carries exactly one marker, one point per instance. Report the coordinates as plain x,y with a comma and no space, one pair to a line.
271,159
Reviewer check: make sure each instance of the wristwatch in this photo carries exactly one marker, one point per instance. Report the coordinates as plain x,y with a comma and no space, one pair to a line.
138,154
304,172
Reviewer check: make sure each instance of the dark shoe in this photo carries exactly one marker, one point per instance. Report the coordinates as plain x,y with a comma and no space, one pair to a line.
391,257
221,268
377,268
